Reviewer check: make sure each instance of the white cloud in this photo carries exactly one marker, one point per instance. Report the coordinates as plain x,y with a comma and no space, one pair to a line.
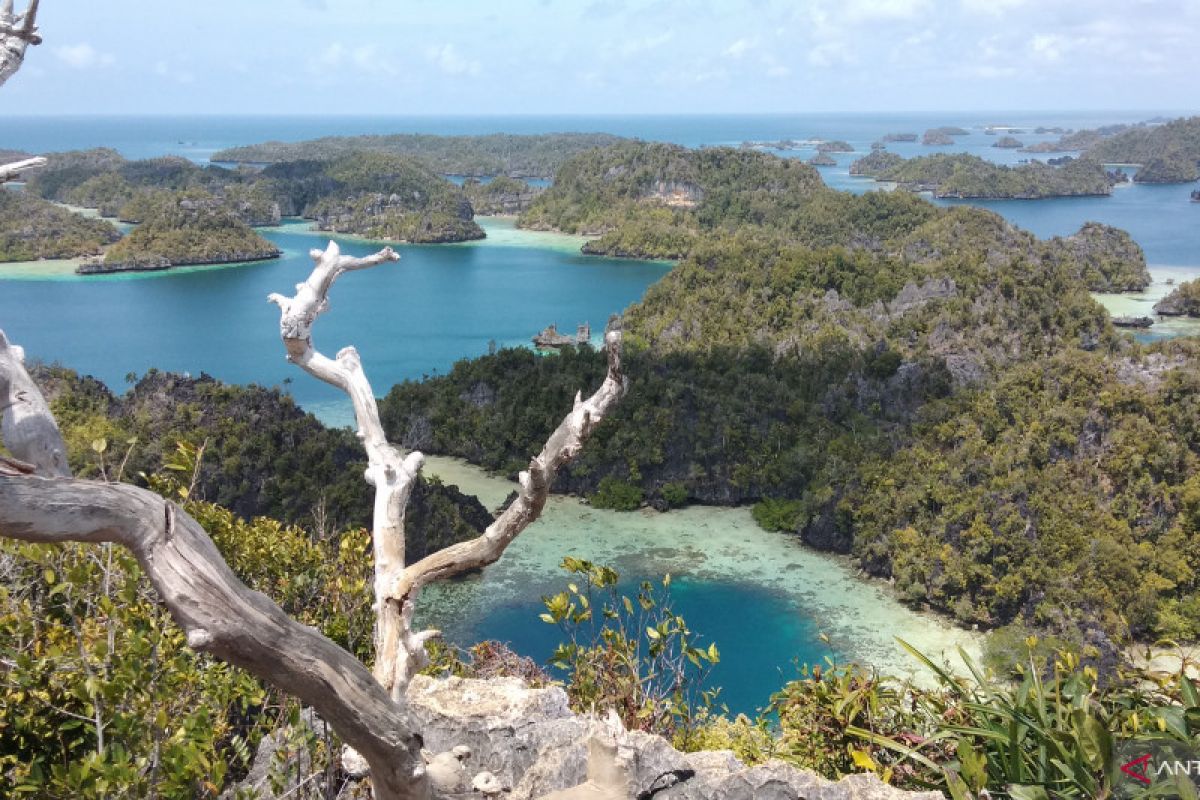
332,56
993,8
633,47
740,47
450,61
165,70
1047,47
83,56
828,54
871,10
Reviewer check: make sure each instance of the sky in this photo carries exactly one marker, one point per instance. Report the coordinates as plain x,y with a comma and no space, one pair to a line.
606,56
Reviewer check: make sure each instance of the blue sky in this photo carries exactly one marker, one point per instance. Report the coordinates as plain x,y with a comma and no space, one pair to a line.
607,56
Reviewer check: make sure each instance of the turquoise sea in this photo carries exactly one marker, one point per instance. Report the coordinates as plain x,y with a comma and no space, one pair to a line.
441,303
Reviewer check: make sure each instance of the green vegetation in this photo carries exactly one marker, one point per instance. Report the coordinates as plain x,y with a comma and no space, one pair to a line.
499,196
371,193
1184,300
875,164
839,368
392,198
31,228
101,696
179,228
658,200
966,176
263,456
1048,726
1168,153
618,495
531,156
630,653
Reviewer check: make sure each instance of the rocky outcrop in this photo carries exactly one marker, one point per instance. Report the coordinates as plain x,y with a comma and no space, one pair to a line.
151,262
532,744
936,139
396,218
1008,142
1184,301
677,194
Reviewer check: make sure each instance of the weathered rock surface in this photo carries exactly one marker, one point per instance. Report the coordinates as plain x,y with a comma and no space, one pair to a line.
532,743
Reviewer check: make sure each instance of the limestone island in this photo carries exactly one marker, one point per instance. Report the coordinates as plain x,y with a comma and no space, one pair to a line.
1184,301
1008,143
835,146
32,229
1166,152
501,196
900,137
514,155
374,194
183,229
936,138
823,160
964,176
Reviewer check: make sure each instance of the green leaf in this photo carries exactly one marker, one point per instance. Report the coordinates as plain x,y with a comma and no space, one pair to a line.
1019,791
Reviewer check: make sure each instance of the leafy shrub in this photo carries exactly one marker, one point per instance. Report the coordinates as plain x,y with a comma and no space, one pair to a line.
778,515
675,493
617,495
631,654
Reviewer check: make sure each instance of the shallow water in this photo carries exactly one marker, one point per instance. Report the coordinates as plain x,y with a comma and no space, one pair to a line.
764,598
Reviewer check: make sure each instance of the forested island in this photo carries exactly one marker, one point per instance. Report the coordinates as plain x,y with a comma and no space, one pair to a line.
33,229
517,156
1183,301
960,175
500,196
1167,152
179,229
370,193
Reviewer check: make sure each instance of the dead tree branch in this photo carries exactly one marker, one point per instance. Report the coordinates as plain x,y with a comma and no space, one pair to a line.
11,172
17,32
400,652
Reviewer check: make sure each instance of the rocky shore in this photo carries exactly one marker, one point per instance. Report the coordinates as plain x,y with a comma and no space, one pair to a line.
157,263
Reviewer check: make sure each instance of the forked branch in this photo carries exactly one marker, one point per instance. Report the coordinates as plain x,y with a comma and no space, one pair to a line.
400,652
17,32
388,469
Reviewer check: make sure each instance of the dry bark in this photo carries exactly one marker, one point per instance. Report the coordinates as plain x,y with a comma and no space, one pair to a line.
17,32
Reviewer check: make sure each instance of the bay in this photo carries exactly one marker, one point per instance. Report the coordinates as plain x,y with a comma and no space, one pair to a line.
415,317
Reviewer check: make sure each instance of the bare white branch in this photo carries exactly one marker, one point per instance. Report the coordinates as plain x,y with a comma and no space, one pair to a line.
17,32
561,448
27,427
11,172
389,470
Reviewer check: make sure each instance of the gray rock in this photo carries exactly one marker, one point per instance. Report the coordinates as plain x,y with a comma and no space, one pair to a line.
532,742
